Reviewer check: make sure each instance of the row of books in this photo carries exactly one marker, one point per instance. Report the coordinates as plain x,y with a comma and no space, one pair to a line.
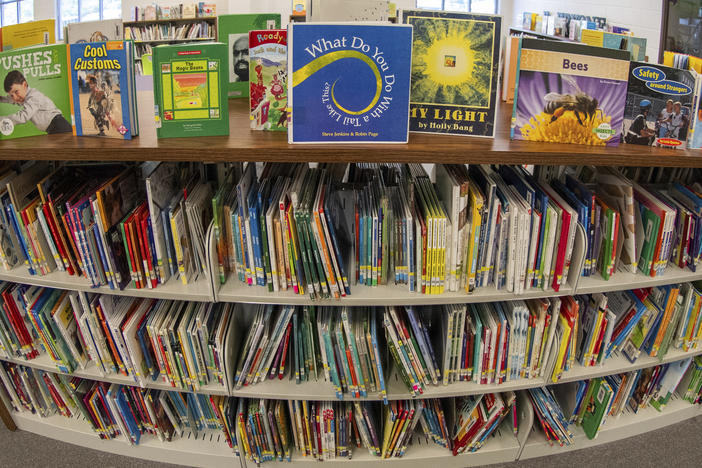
589,403
180,343
257,429
153,12
108,223
163,32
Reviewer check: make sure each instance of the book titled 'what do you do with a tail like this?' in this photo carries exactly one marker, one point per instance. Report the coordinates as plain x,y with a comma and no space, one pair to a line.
349,82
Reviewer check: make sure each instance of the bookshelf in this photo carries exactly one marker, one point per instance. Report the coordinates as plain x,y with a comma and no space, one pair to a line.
209,447
137,29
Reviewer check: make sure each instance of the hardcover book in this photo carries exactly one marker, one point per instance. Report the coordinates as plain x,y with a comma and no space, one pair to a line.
190,87
569,93
103,90
94,31
268,84
29,34
350,82
233,30
35,99
658,105
455,60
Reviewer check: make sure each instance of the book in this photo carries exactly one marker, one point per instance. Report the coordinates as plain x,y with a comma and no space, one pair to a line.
94,31
189,90
569,93
233,30
455,64
32,33
350,83
36,83
268,84
658,105
103,90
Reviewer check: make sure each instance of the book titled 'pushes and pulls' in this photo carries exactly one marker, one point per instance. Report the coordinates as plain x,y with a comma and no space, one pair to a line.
349,83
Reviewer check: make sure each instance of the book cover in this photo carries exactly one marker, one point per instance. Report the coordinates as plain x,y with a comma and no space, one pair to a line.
455,60
190,89
233,30
102,89
694,139
94,31
350,82
268,84
658,105
33,33
35,99
569,93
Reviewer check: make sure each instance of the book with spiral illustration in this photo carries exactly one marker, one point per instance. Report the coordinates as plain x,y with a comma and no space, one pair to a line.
349,82
569,93
103,90
455,58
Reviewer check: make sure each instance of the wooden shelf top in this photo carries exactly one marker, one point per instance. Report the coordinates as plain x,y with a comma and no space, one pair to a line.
169,20
243,144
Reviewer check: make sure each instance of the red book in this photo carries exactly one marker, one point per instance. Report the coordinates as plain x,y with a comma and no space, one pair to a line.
600,339
281,369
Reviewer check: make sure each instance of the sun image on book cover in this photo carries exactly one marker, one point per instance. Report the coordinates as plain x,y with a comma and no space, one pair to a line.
233,30
35,100
268,66
569,93
455,59
350,82
190,90
658,105
103,89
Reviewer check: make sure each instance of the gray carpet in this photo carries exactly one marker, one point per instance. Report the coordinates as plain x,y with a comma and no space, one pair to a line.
677,445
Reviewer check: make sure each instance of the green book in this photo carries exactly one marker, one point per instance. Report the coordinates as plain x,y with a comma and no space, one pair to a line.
190,86
233,30
651,223
35,98
597,406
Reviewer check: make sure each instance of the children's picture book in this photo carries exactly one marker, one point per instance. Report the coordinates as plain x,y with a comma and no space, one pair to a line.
233,30
658,105
569,93
35,100
94,31
694,138
32,33
350,82
268,83
103,89
455,60
190,89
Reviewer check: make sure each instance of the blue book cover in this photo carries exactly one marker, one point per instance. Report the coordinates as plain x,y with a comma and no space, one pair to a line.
350,83
103,90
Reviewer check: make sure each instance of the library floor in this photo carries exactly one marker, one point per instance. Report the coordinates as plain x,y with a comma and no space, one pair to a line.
677,445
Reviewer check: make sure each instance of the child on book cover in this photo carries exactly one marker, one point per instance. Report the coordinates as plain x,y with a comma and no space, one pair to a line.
35,107
103,104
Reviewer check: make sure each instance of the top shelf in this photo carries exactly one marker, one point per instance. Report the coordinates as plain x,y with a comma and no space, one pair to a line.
170,20
243,144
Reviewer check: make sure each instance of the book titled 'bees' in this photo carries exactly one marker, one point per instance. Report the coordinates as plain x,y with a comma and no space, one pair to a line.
455,59
350,82
569,93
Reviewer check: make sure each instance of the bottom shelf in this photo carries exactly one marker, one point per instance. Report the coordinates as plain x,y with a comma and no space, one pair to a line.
628,424
211,450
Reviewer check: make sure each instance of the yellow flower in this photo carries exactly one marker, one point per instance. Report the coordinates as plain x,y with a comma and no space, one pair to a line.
565,129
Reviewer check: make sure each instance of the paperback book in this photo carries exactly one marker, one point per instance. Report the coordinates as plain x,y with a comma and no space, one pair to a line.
103,90
455,59
190,89
35,101
658,105
17,36
268,67
233,30
350,83
569,93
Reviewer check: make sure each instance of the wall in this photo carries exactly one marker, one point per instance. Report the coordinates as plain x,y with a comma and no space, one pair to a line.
643,17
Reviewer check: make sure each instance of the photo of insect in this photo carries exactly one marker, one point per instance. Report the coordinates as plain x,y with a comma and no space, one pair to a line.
578,103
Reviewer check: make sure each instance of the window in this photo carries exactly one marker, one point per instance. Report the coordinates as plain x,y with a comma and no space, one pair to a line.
71,11
475,6
16,11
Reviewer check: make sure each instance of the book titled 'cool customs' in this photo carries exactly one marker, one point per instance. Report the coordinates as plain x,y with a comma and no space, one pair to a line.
349,83
569,93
